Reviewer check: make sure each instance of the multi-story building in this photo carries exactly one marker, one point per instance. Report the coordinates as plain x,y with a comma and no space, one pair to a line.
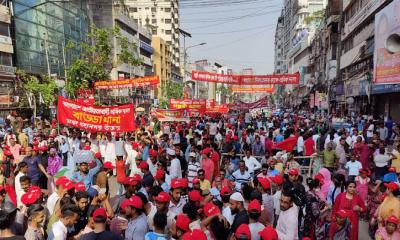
7,72
162,18
162,64
279,58
42,31
106,15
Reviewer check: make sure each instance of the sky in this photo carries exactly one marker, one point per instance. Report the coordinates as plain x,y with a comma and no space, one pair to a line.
239,33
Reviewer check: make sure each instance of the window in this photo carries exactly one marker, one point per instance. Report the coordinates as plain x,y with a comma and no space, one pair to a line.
5,59
4,29
154,20
168,32
153,9
167,20
154,31
133,9
167,9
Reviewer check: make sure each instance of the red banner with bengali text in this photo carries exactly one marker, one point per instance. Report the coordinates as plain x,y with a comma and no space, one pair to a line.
96,119
171,115
127,83
252,90
223,108
246,79
240,105
198,104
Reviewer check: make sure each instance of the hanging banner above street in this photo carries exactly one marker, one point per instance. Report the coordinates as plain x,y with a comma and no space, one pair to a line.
199,104
386,50
97,119
240,105
252,90
246,79
127,83
170,115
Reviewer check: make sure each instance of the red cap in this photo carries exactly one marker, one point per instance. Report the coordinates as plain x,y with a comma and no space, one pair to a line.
320,178
366,171
7,153
137,177
97,155
294,171
264,183
61,180
254,206
44,148
210,209
135,145
86,148
392,219
124,203
235,138
392,186
100,212
30,198
163,197
392,169
108,165
306,238
177,183
159,174
143,165
35,143
153,153
225,190
277,179
35,149
342,213
68,185
243,230
35,189
80,186
185,182
196,234
182,222
136,202
195,180
130,181
206,151
195,196
269,233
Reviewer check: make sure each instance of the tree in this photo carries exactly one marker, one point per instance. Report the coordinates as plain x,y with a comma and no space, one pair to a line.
40,91
96,58
174,90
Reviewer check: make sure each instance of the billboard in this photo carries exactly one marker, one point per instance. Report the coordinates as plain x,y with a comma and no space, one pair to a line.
387,44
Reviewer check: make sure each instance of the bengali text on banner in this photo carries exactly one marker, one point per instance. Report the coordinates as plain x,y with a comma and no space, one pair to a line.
246,79
127,83
198,104
170,115
252,90
96,119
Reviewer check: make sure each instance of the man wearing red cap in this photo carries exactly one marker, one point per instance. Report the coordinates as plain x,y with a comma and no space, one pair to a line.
147,179
177,202
85,174
207,164
267,199
389,230
254,211
152,161
180,226
137,226
243,232
100,223
103,175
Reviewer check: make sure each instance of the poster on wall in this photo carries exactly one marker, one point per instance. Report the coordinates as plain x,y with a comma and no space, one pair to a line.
387,45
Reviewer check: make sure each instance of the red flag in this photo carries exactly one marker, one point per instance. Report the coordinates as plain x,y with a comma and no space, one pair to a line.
11,194
287,144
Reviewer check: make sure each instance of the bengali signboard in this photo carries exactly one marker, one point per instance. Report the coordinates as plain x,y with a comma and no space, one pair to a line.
386,61
127,83
246,79
199,104
252,90
97,119
240,105
171,115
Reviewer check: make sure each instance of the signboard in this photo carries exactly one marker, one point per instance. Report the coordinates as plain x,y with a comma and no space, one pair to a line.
170,115
128,83
199,104
387,64
252,90
239,105
210,103
223,108
97,119
246,79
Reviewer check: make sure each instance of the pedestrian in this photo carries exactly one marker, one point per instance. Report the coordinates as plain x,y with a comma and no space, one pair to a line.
36,218
287,225
254,211
389,230
99,232
68,218
7,220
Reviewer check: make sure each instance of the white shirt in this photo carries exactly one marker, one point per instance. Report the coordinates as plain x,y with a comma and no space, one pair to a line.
175,170
381,160
51,202
110,155
370,131
252,164
119,148
353,167
227,213
18,190
255,228
277,200
132,163
213,129
287,227
300,144
58,231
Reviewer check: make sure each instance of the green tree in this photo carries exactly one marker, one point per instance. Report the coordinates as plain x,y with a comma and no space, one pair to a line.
96,57
39,91
174,90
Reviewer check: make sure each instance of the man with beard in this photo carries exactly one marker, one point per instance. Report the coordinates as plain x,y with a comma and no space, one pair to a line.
254,211
137,226
175,170
180,226
129,186
148,179
152,161
287,226
176,203
82,202
69,216
237,208
85,174
226,210
35,167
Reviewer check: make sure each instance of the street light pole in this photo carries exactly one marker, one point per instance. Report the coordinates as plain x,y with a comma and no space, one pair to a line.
185,58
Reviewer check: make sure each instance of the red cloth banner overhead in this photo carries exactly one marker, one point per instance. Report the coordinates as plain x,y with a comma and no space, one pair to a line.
240,105
252,90
170,115
223,108
199,104
128,83
246,79
97,119
210,103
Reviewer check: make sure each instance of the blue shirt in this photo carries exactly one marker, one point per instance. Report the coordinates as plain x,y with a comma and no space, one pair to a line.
279,138
145,153
33,167
137,228
88,178
155,236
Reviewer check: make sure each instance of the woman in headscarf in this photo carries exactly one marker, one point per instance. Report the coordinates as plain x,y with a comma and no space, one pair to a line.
324,176
54,164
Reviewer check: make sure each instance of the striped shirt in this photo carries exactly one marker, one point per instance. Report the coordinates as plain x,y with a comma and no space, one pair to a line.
193,167
240,178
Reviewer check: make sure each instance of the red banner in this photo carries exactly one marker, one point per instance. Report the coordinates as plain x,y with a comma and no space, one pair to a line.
171,115
198,104
97,119
223,108
210,103
239,105
128,83
252,90
246,79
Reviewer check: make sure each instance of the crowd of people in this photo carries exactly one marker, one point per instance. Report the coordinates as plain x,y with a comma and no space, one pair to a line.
235,176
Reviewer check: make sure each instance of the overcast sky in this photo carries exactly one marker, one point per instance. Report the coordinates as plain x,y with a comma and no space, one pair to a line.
238,35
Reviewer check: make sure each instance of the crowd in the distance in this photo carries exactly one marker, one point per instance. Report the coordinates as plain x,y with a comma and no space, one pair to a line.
287,177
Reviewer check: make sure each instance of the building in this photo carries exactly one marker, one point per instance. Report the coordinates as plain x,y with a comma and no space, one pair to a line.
42,31
162,64
7,71
162,18
107,14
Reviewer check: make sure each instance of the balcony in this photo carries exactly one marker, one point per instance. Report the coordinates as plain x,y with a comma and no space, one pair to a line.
5,15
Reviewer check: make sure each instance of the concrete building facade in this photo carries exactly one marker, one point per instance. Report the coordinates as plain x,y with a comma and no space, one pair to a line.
162,64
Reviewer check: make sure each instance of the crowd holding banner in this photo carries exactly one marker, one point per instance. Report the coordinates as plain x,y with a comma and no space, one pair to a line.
127,83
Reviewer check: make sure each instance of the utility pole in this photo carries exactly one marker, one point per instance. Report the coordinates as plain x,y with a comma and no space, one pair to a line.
46,49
